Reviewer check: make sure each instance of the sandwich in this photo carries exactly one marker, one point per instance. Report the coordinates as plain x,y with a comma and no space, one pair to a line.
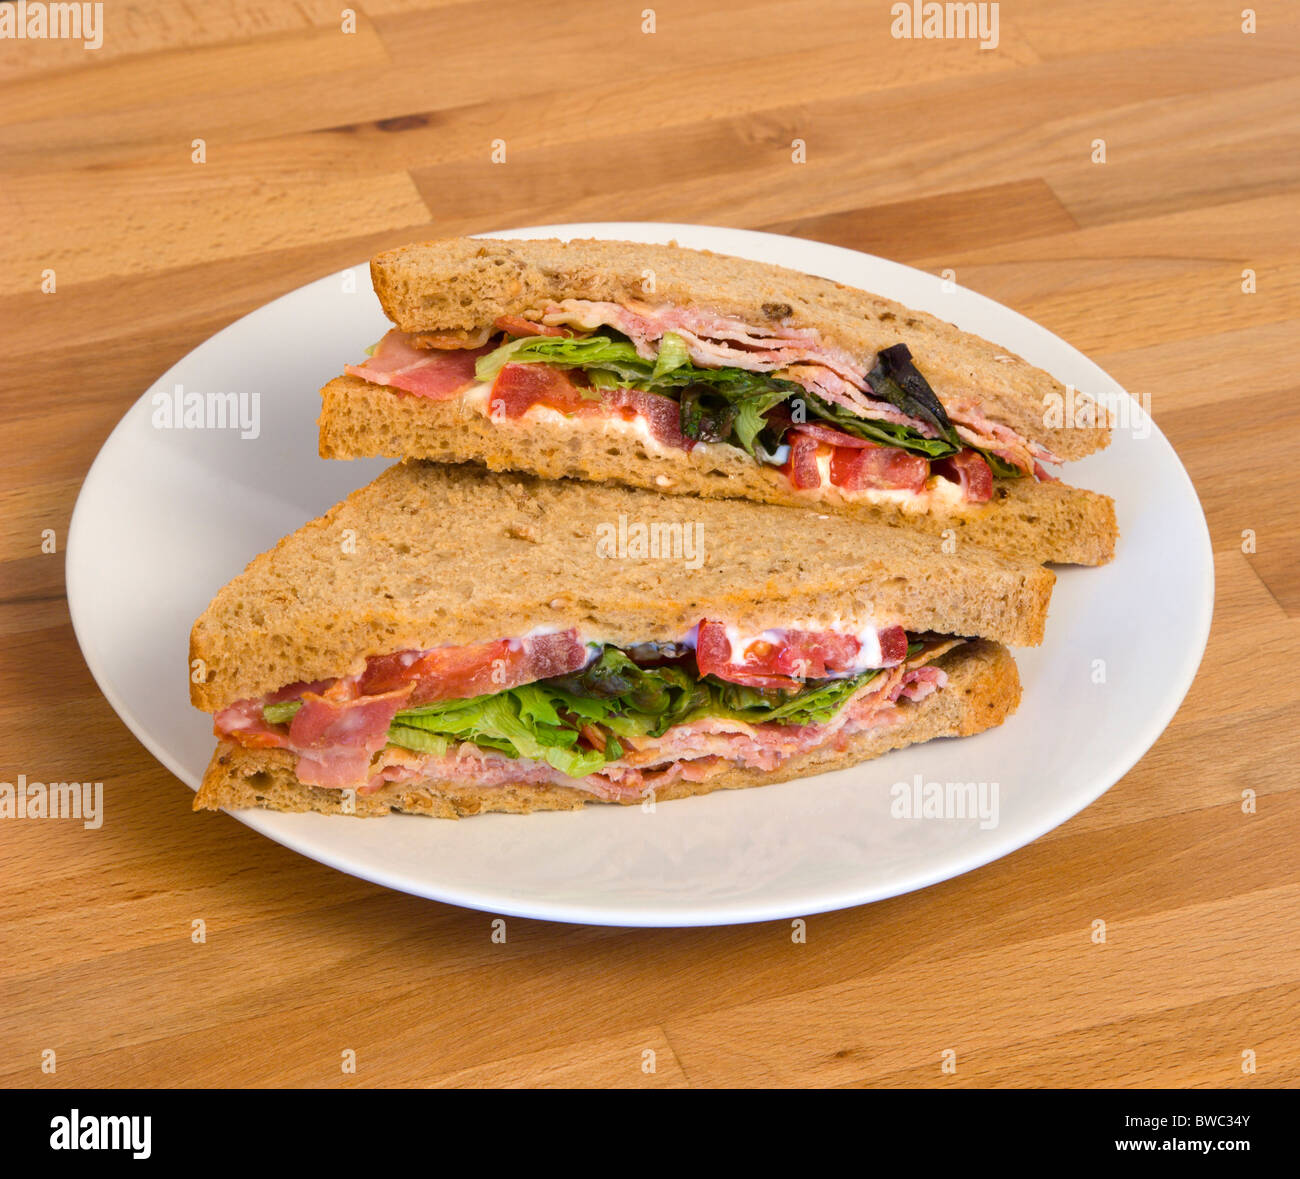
449,641
692,373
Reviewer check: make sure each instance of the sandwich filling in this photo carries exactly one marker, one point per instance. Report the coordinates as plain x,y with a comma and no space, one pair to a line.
555,708
683,377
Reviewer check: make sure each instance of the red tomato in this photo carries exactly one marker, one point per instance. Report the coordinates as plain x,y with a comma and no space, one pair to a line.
801,467
518,387
455,673
878,468
798,656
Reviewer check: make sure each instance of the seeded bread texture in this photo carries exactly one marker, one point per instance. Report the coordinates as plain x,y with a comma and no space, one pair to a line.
432,554
1028,519
983,690
463,283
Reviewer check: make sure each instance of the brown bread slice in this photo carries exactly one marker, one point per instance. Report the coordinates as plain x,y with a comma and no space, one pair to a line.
983,689
431,554
463,283
1027,519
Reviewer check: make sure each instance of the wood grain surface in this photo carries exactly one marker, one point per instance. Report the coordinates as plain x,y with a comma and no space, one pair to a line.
323,146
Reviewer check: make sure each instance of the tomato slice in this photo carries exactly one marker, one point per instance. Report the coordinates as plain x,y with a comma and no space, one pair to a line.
797,656
856,464
518,387
878,468
662,414
801,467
456,673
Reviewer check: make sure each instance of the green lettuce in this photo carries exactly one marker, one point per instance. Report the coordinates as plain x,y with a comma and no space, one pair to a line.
897,380
885,433
1001,468
673,354
279,714
614,355
726,404
544,720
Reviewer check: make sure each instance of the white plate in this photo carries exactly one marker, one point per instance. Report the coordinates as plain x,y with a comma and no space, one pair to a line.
166,517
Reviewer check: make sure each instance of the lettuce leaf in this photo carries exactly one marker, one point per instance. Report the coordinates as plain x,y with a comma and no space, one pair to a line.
718,404
751,421
279,714
544,721
885,433
897,380
672,355
616,355
731,404
417,740
815,705
520,722
1001,468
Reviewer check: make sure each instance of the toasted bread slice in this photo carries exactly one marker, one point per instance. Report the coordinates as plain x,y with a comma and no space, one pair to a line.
431,554
1028,519
460,284
983,689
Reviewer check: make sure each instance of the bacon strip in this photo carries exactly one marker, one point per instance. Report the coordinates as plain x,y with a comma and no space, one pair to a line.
343,723
244,721
830,386
917,683
436,374
517,325
336,733
711,340
982,431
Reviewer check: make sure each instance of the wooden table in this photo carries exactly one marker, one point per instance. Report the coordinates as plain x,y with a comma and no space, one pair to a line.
322,147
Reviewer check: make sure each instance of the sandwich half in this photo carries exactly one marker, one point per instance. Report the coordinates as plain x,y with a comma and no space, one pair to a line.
449,641
692,373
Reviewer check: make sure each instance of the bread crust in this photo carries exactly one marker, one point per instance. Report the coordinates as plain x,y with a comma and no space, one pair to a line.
432,554
465,283
983,689
1041,522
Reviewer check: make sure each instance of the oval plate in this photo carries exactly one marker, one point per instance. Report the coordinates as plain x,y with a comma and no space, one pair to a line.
168,515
